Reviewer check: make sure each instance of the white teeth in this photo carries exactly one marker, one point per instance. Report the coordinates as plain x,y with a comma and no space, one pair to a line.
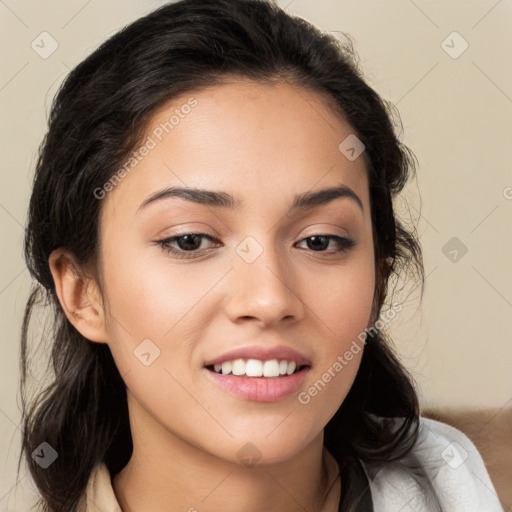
256,368
238,367
291,367
227,366
271,368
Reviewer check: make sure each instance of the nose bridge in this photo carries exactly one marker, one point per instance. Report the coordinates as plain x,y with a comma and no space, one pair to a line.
262,281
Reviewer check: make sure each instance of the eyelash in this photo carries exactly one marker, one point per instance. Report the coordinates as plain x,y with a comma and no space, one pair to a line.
344,243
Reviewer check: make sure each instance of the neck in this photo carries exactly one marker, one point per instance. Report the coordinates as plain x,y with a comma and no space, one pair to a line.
166,474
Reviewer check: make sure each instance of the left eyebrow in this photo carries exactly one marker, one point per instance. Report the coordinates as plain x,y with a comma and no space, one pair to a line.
218,199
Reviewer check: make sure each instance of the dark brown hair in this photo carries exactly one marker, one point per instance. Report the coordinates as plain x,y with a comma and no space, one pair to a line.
97,118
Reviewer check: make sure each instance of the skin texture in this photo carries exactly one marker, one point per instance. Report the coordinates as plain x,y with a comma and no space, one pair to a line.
263,144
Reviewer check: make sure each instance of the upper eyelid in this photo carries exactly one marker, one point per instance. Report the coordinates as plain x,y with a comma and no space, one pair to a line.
318,231
185,233
213,237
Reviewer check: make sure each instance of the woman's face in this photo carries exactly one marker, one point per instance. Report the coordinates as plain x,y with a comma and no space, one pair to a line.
257,285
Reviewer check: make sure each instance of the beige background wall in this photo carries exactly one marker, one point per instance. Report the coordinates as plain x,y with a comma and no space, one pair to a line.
456,110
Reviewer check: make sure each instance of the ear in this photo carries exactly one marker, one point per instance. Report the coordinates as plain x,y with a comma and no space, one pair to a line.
79,296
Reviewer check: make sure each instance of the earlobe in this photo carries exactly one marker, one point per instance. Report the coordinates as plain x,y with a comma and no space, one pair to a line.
78,296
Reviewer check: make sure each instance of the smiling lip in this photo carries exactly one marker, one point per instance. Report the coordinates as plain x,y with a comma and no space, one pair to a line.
260,389
280,352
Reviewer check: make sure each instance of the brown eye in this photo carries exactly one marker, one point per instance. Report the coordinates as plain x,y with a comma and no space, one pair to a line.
186,243
319,243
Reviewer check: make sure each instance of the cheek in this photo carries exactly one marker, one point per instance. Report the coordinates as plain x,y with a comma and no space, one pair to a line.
151,300
342,313
342,299
156,315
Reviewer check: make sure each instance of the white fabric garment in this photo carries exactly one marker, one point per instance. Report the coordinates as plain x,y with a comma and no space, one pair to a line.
443,458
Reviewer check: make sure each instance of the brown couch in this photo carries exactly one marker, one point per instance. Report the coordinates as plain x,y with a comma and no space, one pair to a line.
491,432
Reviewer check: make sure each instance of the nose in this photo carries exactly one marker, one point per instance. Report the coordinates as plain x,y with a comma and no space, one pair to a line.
262,286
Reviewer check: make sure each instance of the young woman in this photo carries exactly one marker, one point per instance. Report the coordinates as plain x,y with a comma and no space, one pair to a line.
212,223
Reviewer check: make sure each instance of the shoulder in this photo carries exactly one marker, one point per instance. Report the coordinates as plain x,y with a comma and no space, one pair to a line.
443,471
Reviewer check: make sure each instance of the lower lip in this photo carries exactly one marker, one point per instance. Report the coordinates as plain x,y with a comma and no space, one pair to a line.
260,389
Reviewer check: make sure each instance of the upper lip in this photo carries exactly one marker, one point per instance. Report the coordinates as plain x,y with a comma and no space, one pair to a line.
279,352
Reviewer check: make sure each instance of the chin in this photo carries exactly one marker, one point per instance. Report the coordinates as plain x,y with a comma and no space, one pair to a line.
262,448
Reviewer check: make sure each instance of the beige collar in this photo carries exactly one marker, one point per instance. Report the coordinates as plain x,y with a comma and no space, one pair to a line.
100,495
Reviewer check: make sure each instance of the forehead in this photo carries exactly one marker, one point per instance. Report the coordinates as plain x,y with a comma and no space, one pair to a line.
249,138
